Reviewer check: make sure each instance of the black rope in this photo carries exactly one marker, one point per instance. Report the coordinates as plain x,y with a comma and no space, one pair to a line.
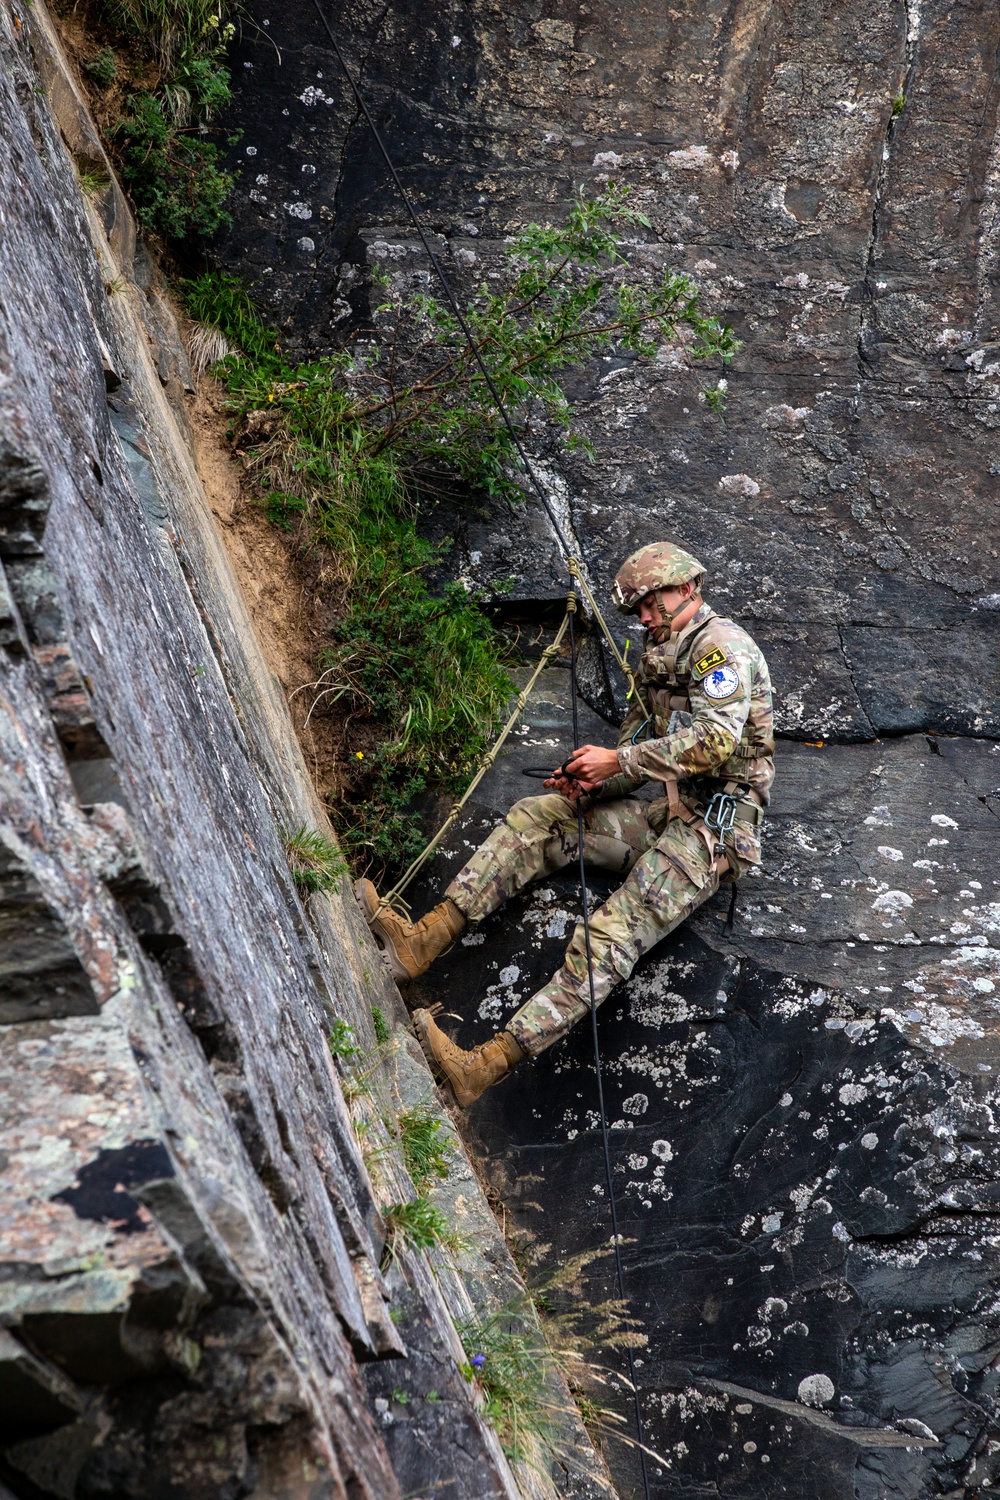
585,902
452,299
533,478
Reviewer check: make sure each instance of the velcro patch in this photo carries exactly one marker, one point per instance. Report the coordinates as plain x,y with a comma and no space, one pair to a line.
715,658
721,682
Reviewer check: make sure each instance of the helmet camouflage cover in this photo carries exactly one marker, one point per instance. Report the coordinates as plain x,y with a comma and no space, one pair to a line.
660,565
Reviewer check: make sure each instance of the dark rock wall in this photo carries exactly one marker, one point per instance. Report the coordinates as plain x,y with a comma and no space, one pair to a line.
804,1117
191,1299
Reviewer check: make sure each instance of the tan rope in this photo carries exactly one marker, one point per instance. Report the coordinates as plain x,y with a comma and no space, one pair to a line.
485,764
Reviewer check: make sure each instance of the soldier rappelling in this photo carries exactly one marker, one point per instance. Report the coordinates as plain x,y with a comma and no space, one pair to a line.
702,726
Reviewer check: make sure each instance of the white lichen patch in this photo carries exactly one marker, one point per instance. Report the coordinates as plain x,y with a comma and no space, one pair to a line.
816,1390
892,903
739,484
692,159
637,1104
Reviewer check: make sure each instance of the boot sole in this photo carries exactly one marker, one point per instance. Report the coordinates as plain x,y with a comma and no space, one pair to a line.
395,966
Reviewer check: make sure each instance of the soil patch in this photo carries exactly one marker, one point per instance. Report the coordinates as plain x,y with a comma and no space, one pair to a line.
285,585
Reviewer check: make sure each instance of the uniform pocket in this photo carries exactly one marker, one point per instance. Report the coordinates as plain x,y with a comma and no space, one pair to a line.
686,850
744,843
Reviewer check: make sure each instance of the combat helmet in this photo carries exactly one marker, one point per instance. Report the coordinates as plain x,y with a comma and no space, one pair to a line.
660,565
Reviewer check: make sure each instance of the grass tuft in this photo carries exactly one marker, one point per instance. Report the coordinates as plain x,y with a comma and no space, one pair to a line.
507,1362
383,1031
169,31
419,1225
221,303
206,347
424,1146
93,182
314,860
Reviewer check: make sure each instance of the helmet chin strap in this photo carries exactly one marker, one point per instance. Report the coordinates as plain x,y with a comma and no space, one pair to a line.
667,617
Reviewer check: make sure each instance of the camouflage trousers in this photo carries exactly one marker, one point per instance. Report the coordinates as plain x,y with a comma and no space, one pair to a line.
668,869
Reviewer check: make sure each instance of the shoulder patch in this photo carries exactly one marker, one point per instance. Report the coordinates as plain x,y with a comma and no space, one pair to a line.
721,682
714,658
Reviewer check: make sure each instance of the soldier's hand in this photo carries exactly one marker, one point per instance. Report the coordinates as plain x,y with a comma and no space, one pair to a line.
592,765
569,786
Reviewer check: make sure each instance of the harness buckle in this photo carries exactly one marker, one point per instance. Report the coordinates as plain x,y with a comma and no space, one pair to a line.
720,815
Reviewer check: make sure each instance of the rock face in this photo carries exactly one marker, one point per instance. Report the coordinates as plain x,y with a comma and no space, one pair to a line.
199,1296
803,1118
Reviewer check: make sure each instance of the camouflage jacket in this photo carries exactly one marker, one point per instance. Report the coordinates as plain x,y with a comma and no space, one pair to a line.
709,693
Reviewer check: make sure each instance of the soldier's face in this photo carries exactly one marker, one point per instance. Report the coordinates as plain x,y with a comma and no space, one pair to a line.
649,608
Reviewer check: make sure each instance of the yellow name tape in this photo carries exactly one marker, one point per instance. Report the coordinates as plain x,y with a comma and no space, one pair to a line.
714,658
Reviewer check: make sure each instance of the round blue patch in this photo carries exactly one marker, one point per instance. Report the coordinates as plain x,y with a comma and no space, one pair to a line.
722,683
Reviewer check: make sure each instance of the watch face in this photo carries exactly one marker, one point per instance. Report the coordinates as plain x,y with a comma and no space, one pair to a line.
722,683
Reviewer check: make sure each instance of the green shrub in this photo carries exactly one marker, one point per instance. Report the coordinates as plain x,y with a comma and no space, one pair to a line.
383,1031
160,139
715,397
197,90
341,1042
103,68
171,172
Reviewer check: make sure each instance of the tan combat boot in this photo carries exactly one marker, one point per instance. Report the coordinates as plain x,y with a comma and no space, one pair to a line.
411,947
469,1073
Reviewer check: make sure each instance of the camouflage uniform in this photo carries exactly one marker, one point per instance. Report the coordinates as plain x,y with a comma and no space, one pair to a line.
709,729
